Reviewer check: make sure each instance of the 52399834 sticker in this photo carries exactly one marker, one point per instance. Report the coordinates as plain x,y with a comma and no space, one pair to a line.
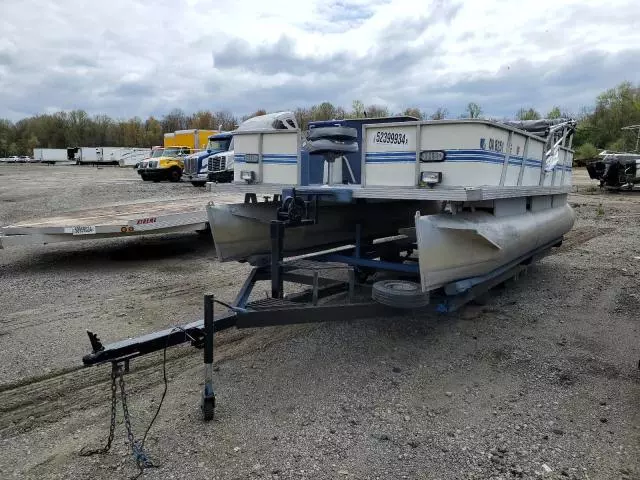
391,138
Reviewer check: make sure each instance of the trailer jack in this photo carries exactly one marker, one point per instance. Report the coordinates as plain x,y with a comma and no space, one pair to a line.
208,404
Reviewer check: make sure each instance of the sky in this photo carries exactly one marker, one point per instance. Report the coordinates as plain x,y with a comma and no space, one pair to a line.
128,58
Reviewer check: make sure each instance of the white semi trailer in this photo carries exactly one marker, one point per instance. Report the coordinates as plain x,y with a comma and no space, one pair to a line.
107,155
50,155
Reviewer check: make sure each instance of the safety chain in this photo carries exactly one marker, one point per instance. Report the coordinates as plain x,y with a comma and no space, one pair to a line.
136,447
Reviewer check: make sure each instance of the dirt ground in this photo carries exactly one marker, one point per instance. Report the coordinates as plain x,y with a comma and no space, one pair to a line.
541,380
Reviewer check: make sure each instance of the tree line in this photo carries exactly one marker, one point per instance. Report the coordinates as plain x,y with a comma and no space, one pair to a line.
598,128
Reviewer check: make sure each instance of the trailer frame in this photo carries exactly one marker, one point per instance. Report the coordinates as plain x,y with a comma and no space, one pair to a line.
301,307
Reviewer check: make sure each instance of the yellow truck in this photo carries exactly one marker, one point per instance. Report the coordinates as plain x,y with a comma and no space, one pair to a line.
167,163
195,139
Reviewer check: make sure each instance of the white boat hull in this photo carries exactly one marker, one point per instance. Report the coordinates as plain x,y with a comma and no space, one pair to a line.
453,247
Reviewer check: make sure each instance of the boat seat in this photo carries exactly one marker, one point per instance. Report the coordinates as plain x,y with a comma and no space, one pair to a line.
337,133
332,141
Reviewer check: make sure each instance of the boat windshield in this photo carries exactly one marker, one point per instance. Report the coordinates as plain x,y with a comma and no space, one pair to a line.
219,144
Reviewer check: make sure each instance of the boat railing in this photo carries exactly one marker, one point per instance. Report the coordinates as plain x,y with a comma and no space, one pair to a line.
561,135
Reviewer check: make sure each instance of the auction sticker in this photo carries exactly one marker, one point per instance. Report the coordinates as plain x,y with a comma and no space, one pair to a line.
391,138
83,230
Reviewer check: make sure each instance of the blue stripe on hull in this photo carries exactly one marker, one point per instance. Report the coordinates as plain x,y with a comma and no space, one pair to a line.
455,156
459,156
272,158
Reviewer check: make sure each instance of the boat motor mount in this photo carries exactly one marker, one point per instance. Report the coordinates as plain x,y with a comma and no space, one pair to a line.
331,143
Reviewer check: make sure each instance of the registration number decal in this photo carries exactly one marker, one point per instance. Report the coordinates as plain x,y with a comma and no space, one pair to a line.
492,144
83,230
392,138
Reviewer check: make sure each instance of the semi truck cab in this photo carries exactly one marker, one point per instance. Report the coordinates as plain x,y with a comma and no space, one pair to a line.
215,163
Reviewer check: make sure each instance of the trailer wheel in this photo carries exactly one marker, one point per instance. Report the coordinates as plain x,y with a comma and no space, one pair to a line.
174,174
399,294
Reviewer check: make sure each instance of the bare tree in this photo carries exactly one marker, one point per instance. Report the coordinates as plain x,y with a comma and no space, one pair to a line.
376,111
257,113
413,112
440,114
527,114
174,120
473,110
357,109
226,120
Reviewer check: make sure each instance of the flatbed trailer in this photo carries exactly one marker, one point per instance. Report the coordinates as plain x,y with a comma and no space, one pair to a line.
145,217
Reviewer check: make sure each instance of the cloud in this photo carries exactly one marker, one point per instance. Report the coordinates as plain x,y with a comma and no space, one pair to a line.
138,57
341,15
75,60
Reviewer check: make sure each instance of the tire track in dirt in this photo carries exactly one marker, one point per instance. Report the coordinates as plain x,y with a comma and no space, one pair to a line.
35,317
578,236
38,400
47,399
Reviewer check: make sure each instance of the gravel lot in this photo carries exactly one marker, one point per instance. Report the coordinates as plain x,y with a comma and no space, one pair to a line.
541,380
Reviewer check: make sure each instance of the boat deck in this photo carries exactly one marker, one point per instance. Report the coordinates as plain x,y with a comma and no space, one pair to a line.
461,194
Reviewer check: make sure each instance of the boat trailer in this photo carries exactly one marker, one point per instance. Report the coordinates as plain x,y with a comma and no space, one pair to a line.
388,298
536,225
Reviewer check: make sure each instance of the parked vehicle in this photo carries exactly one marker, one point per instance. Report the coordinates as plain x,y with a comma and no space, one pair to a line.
211,164
167,162
164,164
195,139
616,170
131,157
50,155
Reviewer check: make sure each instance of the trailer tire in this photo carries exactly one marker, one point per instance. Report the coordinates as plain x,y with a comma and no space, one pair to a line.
399,294
174,174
